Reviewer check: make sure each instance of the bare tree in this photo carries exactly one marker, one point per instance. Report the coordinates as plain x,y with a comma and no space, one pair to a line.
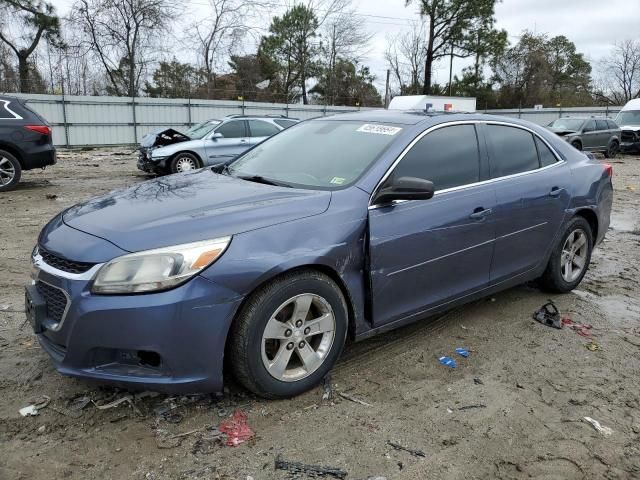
406,56
620,73
23,23
344,38
217,36
124,35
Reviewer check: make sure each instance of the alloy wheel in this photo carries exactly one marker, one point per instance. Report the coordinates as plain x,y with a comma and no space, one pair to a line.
574,255
7,171
298,337
184,164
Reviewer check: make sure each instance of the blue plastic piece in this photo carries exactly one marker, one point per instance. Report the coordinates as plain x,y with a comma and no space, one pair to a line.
462,352
448,362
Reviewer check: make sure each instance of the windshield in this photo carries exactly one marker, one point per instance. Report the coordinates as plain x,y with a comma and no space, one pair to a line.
567,123
317,154
201,129
630,117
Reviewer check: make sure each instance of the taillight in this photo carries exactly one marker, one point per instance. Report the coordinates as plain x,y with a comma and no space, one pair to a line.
43,129
608,169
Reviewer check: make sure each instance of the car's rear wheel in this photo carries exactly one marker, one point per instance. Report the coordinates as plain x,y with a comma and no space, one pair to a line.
576,144
10,171
570,259
289,334
613,150
184,162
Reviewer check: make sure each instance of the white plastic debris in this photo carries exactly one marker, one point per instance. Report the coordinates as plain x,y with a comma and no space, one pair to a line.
606,431
29,411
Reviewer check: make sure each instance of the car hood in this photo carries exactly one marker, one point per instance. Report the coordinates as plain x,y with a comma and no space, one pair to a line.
162,137
190,207
562,131
635,128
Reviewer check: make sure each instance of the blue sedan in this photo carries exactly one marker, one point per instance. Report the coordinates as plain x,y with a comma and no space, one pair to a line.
335,229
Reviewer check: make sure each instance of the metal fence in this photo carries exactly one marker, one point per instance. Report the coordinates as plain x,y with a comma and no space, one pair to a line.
84,120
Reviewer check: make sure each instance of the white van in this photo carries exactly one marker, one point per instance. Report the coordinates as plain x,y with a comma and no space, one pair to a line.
629,121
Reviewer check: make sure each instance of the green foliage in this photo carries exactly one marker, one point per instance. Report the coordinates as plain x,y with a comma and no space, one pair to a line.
465,27
174,80
542,70
290,52
350,85
36,19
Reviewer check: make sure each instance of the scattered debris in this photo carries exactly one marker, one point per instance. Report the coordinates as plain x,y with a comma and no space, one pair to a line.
128,398
449,410
78,403
42,429
463,352
548,315
236,429
4,307
582,329
51,196
327,390
478,381
354,399
519,385
469,407
415,453
310,470
34,409
606,431
592,346
448,362
172,417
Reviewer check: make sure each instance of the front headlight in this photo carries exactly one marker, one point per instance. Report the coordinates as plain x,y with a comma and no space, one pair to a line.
158,269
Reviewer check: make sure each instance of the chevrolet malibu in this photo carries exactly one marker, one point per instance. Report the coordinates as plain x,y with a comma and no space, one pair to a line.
335,229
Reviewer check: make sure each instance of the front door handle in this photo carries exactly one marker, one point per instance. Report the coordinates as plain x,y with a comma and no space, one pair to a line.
555,191
480,213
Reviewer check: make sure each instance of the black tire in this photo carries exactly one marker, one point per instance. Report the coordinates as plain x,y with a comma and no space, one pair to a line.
184,157
577,145
245,341
613,150
552,279
10,171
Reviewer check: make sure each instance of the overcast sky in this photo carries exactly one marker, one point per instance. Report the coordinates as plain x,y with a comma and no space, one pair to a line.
593,25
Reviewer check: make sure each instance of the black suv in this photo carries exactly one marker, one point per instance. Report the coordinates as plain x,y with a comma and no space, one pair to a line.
25,141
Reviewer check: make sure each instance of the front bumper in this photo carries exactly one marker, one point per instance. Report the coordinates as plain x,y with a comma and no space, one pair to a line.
170,341
630,147
146,164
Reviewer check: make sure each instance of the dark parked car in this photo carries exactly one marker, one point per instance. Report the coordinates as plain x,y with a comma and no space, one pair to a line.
25,142
589,134
214,142
337,228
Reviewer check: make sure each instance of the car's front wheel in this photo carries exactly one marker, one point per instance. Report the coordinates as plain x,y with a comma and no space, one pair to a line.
289,334
613,150
10,171
184,162
570,259
577,145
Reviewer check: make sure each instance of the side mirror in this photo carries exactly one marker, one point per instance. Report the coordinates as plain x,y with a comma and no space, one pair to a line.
216,135
405,188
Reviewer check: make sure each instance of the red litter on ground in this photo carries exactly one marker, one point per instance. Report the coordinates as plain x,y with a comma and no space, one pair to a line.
236,429
582,329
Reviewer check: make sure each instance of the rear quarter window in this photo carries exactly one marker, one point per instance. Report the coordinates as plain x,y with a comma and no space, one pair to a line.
7,110
546,155
513,151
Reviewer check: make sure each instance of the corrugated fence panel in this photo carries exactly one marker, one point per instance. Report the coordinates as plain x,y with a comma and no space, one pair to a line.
84,120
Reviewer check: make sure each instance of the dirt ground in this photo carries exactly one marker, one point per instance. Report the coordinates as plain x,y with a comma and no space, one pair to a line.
513,409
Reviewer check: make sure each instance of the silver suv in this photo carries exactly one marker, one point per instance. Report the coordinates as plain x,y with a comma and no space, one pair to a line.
592,134
214,142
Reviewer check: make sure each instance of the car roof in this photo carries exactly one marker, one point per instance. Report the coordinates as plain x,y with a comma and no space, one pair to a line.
582,118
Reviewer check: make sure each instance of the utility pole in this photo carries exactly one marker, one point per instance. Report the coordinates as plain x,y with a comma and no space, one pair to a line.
451,70
386,91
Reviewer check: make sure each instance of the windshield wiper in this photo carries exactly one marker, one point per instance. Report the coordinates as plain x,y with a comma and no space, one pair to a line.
260,179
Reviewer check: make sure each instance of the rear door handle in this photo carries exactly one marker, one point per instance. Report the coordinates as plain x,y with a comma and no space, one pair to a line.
555,191
480,213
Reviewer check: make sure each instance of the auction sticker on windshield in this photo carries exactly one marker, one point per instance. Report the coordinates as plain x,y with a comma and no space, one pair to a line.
379,129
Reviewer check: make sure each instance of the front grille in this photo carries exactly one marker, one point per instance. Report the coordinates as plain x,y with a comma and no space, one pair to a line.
55,298
63,264
628,136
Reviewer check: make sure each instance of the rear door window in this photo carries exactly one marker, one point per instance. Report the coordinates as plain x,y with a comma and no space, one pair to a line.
590,126
233,129
513,150
602,125
259,128
448,157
